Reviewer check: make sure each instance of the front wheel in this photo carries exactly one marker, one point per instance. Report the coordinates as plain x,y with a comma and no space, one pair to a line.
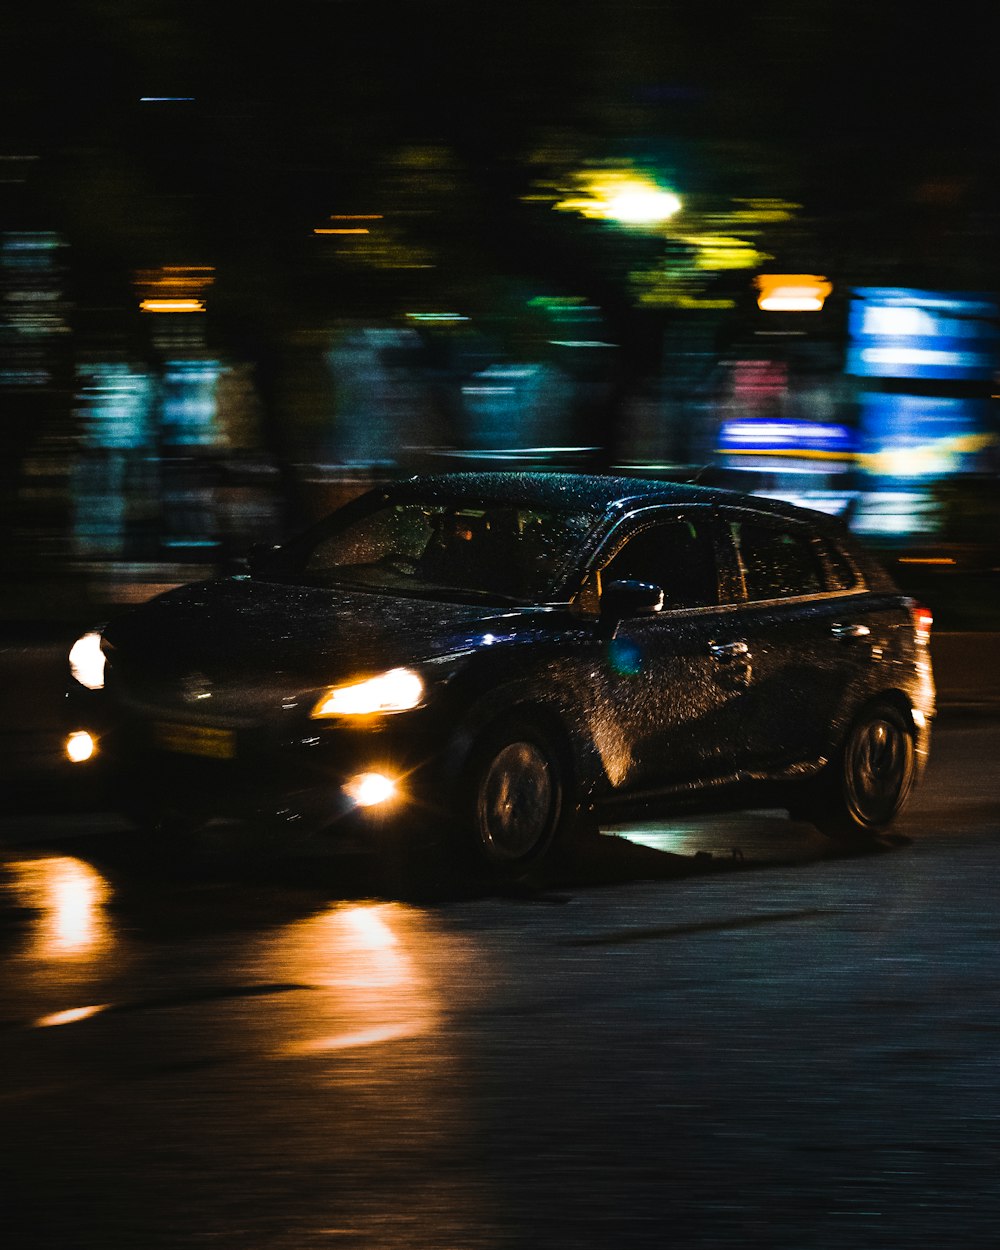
864,787
518,797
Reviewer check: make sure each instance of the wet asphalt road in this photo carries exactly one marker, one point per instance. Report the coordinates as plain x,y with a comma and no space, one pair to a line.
781,1047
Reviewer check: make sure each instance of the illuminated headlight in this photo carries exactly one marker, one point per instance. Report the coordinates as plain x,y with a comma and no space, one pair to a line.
80,746
396,691
86,661
370,789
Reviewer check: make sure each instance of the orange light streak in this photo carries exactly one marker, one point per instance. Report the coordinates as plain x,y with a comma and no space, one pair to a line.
172,305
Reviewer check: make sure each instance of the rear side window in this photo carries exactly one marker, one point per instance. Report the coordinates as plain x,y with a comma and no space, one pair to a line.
676,555
778,562
841,571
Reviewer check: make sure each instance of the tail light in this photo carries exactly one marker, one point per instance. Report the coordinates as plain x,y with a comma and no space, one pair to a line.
923,619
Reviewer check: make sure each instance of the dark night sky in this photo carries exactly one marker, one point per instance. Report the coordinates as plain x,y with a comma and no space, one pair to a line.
814,76
864,112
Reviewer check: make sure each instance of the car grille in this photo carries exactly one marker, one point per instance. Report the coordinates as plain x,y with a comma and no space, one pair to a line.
199,697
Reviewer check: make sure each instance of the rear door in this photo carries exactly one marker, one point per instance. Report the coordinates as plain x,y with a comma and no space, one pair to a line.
809,635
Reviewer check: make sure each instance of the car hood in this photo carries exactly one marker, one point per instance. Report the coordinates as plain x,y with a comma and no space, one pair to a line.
243,628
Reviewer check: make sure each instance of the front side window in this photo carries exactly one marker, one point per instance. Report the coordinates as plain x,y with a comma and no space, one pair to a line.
777,562
676,555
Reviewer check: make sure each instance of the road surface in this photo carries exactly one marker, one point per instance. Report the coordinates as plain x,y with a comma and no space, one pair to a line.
770,1044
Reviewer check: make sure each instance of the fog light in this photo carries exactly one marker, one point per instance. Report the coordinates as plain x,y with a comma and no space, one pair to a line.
80,746
370,789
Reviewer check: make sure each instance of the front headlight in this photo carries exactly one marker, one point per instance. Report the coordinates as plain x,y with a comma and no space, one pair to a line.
86,661
396,691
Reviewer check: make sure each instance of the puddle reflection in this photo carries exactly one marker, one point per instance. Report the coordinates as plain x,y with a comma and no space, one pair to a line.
71,1016
762,835
68,900
365,955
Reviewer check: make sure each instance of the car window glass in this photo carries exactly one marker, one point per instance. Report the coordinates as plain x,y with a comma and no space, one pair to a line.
676,555
777,562
512,552
841,573
404,532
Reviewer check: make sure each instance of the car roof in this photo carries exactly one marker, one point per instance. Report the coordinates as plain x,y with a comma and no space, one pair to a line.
590,492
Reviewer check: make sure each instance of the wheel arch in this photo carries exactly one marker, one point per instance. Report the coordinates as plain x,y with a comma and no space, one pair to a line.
894,696
920,727
849,799
505,839
528,704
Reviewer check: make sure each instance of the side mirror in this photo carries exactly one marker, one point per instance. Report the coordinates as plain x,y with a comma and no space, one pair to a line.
262,558
622,600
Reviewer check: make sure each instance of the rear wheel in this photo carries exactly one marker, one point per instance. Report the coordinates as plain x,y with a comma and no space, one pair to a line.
518,797
865,786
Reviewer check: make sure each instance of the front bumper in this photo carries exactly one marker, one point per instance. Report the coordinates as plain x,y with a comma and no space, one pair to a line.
296,783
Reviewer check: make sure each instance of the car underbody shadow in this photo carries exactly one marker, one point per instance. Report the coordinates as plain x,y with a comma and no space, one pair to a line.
620,856
236,876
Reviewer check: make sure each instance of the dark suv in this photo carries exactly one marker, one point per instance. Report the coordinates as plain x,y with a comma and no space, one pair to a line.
489,657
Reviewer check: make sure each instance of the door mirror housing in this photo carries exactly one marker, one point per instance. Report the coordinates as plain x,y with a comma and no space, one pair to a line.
621,601
262,558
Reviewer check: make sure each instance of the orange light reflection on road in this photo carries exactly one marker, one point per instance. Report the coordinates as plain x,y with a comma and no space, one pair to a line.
69,897
70,1016
365,1037
361,955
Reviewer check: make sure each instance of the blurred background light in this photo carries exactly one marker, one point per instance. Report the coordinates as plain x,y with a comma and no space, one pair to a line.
809,439
792,292
172,306
639,205
440,318
623,196
898,332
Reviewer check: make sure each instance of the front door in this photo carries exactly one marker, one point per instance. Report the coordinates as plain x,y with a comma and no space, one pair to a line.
671,685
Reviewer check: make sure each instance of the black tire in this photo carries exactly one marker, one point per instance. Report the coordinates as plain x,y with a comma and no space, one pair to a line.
864,787
518,798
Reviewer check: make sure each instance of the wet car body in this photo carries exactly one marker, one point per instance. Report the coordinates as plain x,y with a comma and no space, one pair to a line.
600,645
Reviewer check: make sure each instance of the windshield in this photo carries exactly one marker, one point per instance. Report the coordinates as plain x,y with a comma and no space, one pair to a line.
505,552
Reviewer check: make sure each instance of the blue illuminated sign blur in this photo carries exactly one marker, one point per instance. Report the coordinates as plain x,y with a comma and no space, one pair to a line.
921,436
189,403
116,405
763,437
900,333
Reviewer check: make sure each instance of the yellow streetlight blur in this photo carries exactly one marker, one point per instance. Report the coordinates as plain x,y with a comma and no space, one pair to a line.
622,196
638,205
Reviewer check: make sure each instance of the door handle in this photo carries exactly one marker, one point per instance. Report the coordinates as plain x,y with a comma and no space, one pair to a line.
727,652
853,630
